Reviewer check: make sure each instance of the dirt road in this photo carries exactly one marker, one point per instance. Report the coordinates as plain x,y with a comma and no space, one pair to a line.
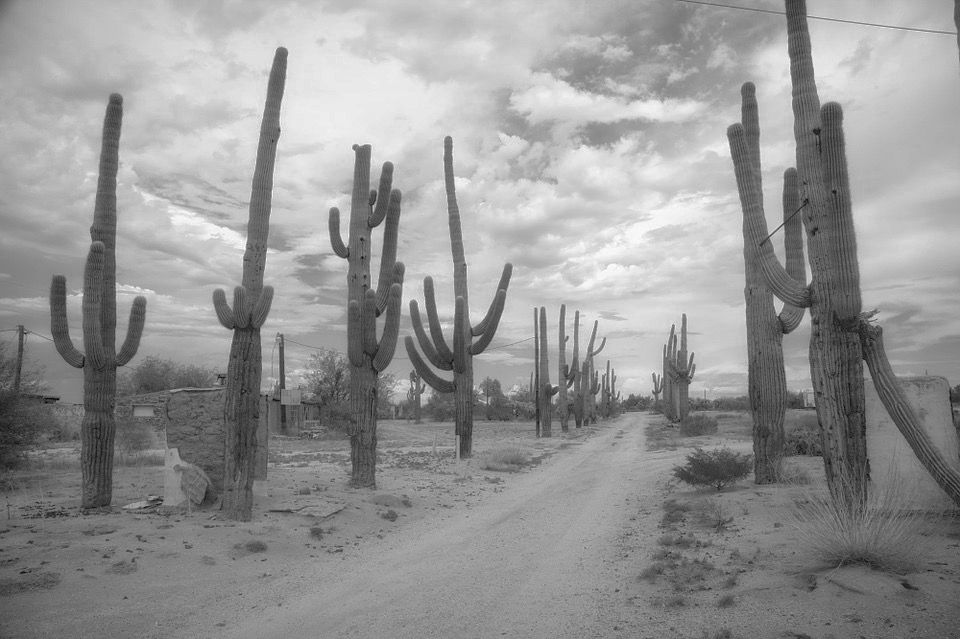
537,560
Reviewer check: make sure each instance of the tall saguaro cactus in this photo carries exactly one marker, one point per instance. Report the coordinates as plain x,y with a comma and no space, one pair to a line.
417,387
547,391
566,373
459,358
841,335
99,359
657,388
680,371
587,383
368,355
766,377
251,304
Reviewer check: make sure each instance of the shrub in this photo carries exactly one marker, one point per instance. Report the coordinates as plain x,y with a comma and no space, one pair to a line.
803,436
698,424
718,468
132,437
21,425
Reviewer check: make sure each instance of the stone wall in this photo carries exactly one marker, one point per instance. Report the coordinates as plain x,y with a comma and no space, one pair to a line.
893,464
194,426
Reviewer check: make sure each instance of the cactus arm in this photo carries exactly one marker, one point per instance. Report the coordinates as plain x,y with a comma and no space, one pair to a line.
241,310
388,259
461,336
780,282
224,312
138,313
425,342
603,342
486,337
481,328
425,372
382,198
59,327
433,319
260,310
92,304
790,316
391,329
946,475
551,390
336,240
368,322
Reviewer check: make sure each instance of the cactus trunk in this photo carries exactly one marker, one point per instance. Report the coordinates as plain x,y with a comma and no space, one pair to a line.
766,377
566,374
546,390
99,360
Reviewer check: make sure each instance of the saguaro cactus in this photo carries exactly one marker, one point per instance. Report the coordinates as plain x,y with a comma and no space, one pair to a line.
766,377
840,333
99,359
547,391
657,389
459,358
587,383
417,387
669,386
680,371
369,356
251,304
566,374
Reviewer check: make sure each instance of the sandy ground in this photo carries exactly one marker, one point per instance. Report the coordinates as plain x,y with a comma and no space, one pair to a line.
593,540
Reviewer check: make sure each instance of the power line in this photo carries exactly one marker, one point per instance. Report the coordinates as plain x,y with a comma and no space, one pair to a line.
825,18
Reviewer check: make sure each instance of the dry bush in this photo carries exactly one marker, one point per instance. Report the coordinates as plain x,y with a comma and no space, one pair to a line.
802,436
718,468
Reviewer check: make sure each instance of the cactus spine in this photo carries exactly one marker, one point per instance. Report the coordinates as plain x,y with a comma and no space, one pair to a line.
766,377
840,333
251,303
459,358
99,359
417,387
368,355
566,374
546,390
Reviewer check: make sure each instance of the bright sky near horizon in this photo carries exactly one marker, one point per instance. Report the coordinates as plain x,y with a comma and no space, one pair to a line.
589,147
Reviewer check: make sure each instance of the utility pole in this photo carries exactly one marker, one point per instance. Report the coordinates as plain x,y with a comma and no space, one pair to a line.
283,384
16,378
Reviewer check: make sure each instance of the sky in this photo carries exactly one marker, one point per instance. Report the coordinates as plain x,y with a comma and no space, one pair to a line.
589,147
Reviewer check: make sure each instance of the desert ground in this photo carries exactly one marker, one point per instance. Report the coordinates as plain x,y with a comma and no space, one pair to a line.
592,537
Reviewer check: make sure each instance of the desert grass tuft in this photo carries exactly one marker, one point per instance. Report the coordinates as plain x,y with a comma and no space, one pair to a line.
882,531
505,459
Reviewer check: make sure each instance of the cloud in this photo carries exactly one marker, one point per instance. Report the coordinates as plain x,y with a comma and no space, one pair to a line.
550,99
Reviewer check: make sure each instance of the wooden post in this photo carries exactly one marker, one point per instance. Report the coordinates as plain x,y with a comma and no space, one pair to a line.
16,379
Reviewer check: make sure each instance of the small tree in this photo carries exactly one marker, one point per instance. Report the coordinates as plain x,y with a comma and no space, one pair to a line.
155,373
